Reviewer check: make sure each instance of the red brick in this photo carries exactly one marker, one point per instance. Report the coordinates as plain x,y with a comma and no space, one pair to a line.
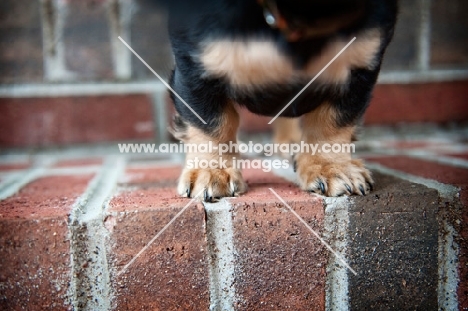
54,121
78,162
47,197
408,144
166,175
34,244
432,102
5,167
280,263
172,274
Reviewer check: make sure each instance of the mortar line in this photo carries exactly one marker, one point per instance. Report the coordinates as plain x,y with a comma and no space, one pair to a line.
424,39
221,254
336,230
53,15
87,240
119,18
160,116
440,159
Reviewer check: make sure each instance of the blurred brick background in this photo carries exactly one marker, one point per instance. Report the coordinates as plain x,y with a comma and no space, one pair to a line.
67,45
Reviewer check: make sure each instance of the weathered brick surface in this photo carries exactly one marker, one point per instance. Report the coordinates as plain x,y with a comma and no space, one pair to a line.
34,244
393,244
449,175
172,274
280,265
55,121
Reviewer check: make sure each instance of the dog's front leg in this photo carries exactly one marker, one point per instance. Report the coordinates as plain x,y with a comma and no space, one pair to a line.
327,168
210,170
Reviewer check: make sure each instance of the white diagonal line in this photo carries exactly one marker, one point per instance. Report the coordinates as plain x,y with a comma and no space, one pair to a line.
311,81
314,232
158,234
162,80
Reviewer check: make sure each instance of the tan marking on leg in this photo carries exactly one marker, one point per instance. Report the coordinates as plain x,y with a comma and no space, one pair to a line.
287,131
246,63
360,54
217,181
332,174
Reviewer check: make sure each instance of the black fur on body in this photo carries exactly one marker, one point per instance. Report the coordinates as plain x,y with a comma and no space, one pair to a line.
195,21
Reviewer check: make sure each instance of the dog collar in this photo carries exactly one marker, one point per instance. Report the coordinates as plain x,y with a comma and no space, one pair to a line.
275,20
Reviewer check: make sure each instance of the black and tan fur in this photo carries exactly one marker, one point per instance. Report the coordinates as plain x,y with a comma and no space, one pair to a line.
227,54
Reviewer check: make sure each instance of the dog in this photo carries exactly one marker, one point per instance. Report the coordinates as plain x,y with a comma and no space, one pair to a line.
261,53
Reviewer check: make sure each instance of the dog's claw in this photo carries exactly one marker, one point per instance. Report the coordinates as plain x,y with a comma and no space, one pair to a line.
295,166
205,195
322,186
371,186
188,192
348,187
361,188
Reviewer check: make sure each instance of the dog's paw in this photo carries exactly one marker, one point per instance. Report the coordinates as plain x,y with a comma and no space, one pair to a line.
211,184
332,177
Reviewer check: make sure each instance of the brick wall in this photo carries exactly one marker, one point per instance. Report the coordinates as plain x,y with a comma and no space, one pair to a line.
68,51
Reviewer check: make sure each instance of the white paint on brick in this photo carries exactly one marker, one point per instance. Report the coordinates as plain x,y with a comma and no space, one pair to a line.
80,89
336,230
119,14
221,255
432,75
448,268
90,287
153,86
161,116
72,171
53,14
424,40
424,155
